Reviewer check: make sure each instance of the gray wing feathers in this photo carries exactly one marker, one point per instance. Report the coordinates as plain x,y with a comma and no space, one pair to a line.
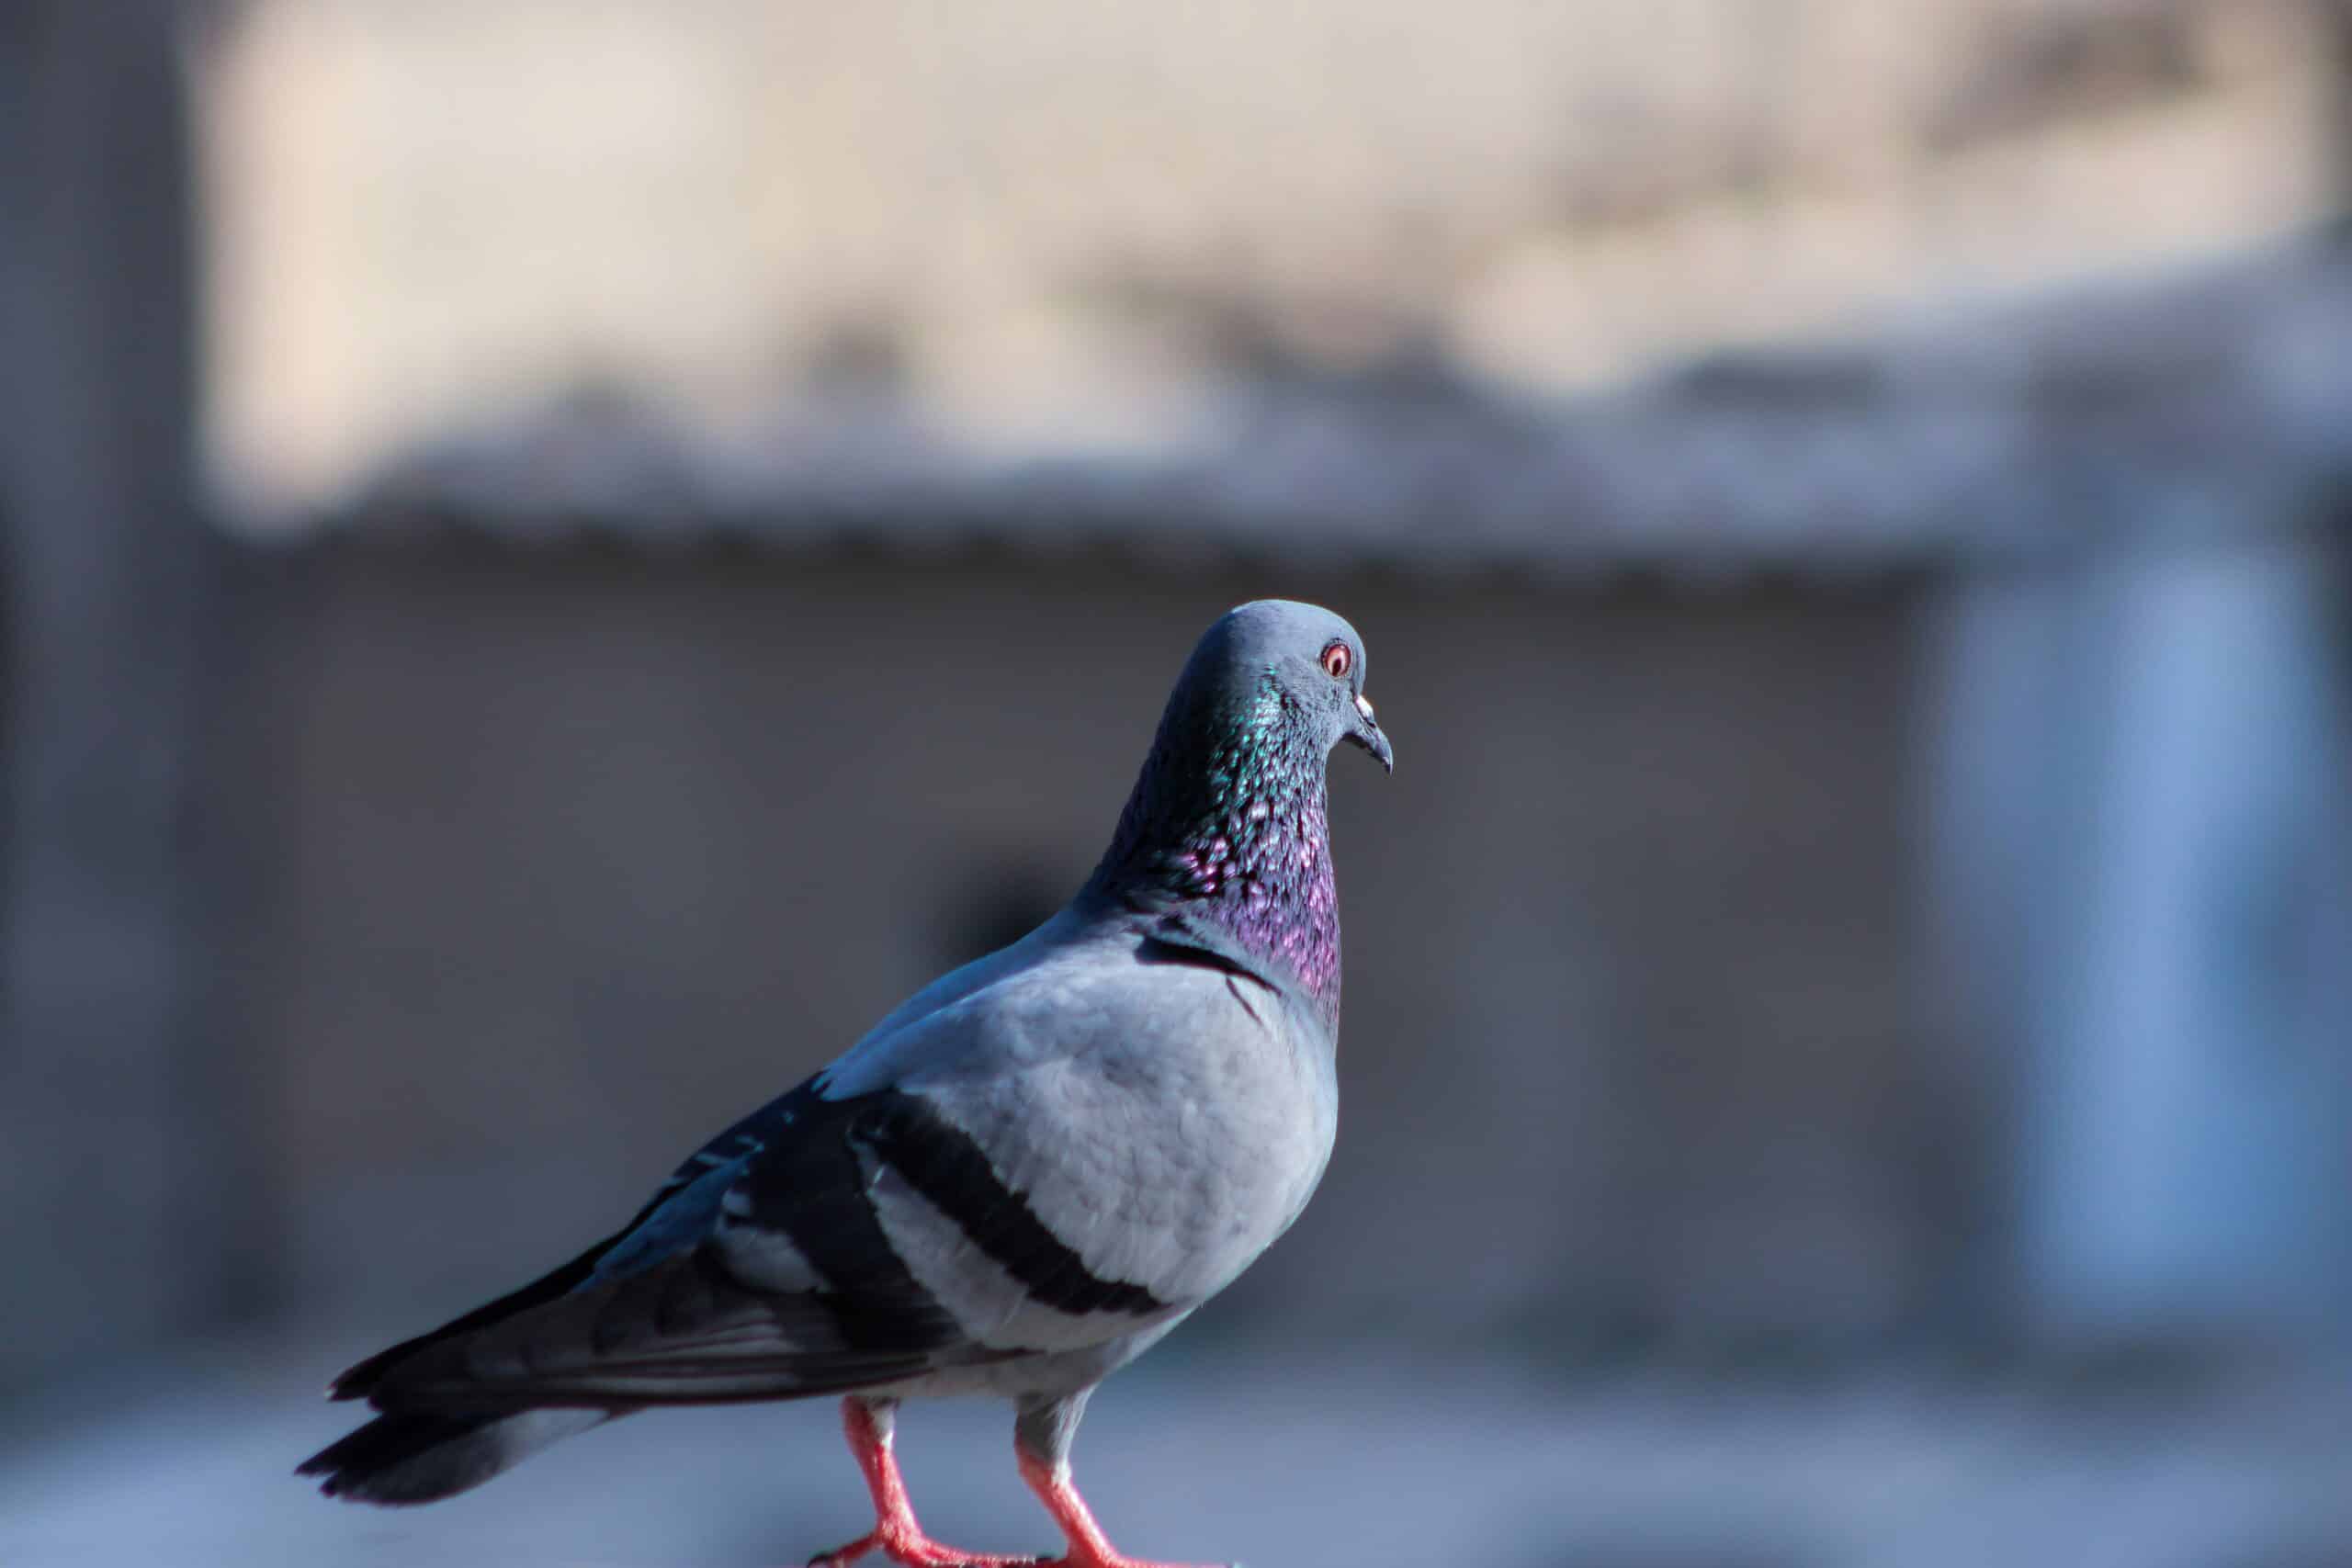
683,1331
401,1460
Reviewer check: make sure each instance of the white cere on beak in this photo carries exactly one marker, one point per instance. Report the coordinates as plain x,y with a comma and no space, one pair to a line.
1364,708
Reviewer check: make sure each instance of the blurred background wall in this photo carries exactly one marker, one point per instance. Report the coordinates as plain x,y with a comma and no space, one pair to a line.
561,558
426,210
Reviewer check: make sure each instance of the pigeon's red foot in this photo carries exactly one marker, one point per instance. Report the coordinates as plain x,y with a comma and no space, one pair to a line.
899,1537
1089,1548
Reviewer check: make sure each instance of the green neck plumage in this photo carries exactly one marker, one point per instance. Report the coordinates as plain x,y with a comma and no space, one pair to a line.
1227,825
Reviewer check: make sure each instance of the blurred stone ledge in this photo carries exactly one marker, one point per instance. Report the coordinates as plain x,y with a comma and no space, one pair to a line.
2049,423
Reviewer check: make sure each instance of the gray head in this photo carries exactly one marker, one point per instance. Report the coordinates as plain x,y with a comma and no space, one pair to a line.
1302,656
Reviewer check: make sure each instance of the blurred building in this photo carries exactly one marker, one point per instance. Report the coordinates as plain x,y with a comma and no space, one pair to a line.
424,213
1848,511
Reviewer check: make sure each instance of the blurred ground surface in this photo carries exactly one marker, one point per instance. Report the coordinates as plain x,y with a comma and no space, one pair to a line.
1287,1461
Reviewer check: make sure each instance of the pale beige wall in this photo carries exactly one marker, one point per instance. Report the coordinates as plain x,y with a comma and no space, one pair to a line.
424,209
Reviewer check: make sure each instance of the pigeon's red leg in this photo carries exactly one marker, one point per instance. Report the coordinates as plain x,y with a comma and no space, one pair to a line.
1089,1548
896,1534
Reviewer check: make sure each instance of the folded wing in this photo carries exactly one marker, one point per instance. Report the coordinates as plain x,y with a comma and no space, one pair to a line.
759,1272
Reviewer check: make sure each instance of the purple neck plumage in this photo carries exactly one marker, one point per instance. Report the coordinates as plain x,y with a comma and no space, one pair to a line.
1227,827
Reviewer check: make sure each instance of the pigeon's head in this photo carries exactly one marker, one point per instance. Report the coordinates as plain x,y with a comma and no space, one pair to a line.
1300,656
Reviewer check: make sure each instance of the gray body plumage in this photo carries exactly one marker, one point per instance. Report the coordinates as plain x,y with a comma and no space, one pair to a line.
1166,1121
1021,1177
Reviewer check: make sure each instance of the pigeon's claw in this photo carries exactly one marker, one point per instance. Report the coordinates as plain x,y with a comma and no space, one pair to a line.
912,1549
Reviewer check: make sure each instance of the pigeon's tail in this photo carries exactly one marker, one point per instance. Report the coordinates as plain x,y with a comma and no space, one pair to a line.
403,1458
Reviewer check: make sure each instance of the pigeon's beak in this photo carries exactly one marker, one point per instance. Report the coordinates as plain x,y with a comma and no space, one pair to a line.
1365,732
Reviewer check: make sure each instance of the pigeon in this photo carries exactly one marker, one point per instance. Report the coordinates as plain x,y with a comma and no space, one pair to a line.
1016,1182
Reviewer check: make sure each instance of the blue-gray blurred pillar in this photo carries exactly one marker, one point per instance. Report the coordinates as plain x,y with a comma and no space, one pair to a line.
108,1221
2141,856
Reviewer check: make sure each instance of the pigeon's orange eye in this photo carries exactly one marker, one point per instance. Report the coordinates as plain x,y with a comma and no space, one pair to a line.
1337,659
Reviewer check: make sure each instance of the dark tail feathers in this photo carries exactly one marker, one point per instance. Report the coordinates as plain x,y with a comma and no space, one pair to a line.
405,1458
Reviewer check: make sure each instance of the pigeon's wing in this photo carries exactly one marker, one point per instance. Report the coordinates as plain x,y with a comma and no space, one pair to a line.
760,1271
727,1150
670,1222
360,1381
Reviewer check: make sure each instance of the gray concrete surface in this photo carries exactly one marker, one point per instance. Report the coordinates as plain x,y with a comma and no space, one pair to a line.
1336,1459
